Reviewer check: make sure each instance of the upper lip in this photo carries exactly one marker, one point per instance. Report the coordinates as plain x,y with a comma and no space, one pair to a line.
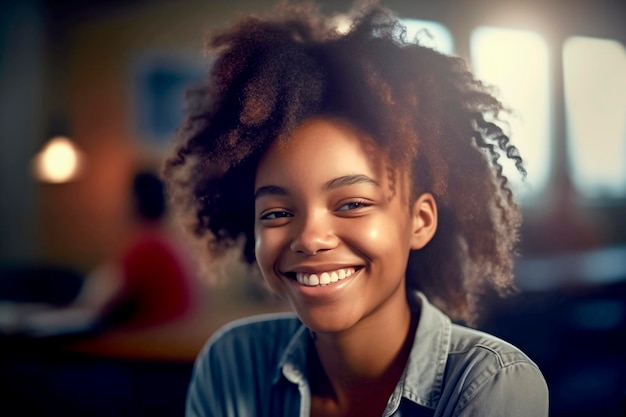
319,268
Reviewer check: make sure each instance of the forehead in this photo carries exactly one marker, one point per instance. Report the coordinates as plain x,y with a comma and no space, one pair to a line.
326,142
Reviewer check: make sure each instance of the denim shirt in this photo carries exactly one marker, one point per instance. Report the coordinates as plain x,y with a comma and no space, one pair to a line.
257,367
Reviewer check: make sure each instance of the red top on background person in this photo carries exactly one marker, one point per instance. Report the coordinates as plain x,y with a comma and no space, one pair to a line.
156,272
149,282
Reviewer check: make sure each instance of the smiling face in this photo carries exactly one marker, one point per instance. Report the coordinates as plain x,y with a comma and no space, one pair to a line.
334,226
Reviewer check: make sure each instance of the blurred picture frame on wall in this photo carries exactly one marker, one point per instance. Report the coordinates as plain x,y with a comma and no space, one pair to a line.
160,83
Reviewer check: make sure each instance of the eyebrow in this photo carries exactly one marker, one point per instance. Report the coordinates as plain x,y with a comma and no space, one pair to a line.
349,180
269,190
330,185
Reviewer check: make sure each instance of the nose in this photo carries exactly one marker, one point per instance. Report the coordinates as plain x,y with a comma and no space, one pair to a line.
314,234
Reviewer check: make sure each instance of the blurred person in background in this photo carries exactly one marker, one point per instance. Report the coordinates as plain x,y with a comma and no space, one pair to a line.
149,282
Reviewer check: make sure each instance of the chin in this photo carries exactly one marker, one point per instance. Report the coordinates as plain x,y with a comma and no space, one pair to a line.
324,323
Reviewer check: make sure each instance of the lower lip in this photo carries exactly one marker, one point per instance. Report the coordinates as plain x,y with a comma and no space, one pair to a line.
323,291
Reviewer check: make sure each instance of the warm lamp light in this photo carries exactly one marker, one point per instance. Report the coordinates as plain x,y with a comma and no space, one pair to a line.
58,162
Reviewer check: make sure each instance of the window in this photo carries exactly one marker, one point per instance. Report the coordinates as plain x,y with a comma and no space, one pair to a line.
430,34
594,72
515,62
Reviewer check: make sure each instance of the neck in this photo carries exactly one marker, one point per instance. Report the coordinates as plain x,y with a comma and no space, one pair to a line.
365,360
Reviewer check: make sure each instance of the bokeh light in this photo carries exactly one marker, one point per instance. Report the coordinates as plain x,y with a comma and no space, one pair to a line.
59,161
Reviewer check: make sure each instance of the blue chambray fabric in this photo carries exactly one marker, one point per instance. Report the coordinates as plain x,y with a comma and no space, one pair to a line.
257,367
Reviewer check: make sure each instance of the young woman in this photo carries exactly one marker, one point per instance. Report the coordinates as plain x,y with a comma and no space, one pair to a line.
360,173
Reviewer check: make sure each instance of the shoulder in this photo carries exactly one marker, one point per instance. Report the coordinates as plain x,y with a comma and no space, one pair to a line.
471,343
487,372
240,361
463,372
267,330
251,344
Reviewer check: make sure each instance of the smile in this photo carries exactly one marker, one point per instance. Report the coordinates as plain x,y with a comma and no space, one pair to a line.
324,278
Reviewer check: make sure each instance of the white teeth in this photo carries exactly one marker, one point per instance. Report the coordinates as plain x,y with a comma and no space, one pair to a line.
314,280
325,278
302,278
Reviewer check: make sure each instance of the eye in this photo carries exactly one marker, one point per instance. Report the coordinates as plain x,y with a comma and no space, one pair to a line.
277,214
353,205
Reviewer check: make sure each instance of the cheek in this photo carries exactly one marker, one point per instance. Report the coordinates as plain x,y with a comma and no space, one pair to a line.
377,236
266,249
368,234
260,249
373,233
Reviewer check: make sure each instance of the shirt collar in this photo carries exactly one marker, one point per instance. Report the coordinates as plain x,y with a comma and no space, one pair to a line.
422,379
293,362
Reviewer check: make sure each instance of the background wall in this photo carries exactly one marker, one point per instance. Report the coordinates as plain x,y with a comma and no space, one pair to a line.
22,116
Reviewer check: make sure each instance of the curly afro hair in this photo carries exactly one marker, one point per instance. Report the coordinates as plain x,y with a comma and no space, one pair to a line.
424,108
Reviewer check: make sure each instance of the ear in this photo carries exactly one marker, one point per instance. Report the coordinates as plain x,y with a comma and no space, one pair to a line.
424,215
